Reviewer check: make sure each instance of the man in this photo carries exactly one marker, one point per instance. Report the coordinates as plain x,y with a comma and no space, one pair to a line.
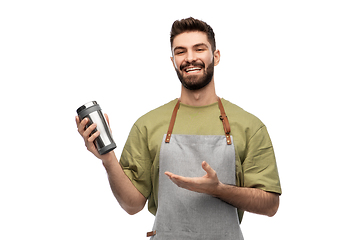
199,160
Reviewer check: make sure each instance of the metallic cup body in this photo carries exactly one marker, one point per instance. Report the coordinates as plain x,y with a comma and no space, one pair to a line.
91,110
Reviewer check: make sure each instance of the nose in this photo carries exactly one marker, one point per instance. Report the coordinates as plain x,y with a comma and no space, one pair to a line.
190,57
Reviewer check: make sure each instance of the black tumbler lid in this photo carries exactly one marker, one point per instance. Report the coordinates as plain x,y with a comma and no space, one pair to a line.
85,106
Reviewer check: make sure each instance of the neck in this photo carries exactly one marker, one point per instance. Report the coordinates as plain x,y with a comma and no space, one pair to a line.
202,97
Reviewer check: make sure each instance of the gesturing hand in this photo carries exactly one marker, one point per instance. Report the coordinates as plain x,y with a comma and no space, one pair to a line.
206,184
249,199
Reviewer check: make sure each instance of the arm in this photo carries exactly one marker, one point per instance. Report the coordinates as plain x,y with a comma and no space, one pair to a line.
129,198
248,199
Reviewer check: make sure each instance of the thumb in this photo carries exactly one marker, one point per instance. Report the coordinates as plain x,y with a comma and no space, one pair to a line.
107,118
208,169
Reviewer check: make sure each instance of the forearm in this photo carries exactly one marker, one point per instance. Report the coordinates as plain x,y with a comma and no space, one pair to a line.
249,199
129,198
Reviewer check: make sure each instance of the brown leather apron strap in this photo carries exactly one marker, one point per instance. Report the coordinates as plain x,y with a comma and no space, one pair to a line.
223,118
225,122
172,122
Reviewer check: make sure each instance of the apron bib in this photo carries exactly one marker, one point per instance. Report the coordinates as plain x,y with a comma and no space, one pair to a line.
183,214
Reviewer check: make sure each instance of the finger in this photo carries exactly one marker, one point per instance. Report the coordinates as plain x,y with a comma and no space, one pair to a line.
107,119
169,174
89,130
82,125
175,178
92,137
77,120
208,169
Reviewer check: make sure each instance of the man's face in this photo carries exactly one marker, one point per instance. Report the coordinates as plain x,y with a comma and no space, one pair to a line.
193,59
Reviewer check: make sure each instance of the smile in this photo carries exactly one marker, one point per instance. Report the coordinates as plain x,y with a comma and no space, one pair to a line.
193,70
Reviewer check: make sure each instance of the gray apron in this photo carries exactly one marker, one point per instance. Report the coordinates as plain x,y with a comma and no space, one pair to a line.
183,214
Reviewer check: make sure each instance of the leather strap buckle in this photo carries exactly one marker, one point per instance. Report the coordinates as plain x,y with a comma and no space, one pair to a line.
225,122
172,122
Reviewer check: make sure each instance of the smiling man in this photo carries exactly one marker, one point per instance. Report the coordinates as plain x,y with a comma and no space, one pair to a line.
199,160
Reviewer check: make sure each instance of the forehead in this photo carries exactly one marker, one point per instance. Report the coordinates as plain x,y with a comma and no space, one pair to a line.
190,39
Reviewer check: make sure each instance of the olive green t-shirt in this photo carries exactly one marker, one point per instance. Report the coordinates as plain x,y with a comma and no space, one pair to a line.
255,159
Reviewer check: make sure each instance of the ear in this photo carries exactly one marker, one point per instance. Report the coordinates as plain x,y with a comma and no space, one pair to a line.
216,57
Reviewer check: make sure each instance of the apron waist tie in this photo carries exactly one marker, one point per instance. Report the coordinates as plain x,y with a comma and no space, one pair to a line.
150,234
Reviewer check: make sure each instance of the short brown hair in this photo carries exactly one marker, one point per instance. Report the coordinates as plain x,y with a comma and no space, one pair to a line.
191,25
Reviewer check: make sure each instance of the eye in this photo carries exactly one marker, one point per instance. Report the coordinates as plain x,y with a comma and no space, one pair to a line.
200,50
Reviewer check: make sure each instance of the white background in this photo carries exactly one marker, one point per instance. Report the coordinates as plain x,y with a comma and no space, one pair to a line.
293,64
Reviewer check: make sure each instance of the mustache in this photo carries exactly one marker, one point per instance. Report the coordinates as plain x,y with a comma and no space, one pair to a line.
194,64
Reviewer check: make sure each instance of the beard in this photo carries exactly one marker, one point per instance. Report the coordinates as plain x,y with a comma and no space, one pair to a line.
193,82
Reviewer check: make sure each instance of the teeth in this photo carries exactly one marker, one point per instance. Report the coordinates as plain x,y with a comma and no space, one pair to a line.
192,69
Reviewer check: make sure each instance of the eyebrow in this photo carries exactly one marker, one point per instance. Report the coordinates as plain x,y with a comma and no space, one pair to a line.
196,45
201,45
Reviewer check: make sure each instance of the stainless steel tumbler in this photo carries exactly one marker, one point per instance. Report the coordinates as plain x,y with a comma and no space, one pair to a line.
91,110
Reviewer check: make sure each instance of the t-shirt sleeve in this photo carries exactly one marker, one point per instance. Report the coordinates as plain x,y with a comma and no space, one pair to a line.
136,162
259,167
